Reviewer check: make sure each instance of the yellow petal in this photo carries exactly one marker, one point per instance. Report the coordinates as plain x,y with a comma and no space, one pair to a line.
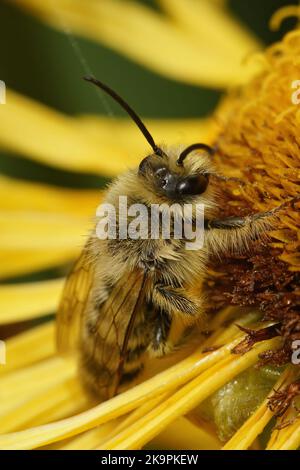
287,438
182,435
291,437
72,402
47,379
131,145
44,405
23,384
192,438
39,197
42,199
29,347
18,262
19,302
247,434
88,440
59,143
131,419
189,396
208,22
35,377
98,145
145,36
117,406
41,231
95,437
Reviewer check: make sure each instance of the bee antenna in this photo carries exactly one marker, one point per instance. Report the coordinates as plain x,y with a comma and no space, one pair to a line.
192,147
129,110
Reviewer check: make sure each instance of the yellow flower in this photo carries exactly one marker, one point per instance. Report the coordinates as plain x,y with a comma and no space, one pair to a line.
42,404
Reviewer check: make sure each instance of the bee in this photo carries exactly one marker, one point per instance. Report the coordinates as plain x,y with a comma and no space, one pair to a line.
121,299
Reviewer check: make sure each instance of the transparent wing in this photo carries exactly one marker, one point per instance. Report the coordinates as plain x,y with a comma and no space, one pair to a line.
106,351
73,302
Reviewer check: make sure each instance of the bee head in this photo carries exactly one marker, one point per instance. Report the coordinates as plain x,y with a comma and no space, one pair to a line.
170,177
167,172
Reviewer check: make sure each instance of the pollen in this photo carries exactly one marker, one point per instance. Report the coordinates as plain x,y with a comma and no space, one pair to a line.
259,143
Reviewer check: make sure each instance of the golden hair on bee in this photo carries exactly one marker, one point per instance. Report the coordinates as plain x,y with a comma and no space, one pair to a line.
121,299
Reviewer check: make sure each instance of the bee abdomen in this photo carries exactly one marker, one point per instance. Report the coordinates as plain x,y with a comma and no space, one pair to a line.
101,357
95,376
135,353
131,374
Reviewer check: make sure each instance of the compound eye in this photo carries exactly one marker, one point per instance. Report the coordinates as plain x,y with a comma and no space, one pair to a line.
193,185
143,166
161,172
162,176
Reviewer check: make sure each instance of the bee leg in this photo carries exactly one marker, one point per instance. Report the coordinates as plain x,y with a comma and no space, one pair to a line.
159,344
234,234
241,222
176,301
228,178
236,222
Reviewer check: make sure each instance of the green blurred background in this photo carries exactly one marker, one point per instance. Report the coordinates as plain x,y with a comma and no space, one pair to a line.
40,62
